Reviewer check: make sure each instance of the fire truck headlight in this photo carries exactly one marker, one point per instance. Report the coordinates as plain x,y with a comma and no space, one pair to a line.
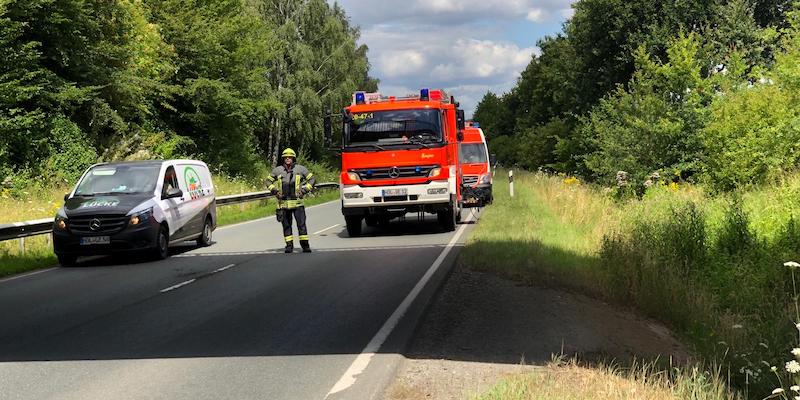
485,179
353,195
435,172
353,176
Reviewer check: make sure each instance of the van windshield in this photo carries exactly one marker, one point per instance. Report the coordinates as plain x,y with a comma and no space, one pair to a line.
119,179
473,153
396,127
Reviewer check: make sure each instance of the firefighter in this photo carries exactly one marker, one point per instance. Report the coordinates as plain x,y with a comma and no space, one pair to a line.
290,183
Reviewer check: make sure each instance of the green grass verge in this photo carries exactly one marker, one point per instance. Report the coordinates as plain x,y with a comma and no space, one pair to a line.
711,267
39,254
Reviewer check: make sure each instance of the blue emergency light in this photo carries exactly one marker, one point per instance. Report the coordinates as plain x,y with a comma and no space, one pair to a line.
418,169
361,98
476,125
424,94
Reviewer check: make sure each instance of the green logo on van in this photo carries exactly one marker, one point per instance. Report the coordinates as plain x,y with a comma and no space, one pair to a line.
192,180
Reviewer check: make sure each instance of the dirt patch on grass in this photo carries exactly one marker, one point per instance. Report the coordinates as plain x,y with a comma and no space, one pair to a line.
482,328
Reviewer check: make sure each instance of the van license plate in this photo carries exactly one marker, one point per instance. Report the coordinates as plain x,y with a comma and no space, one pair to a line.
395,192
88,241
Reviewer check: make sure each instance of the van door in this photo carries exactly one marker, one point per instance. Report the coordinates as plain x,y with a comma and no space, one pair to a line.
196,190
174,209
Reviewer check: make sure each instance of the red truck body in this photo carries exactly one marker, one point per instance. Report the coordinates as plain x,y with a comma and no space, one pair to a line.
400,155
476,169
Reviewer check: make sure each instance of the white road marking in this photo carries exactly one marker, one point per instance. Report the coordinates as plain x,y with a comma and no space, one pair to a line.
224,268
326,229
41,271
280,251
173,287
362,361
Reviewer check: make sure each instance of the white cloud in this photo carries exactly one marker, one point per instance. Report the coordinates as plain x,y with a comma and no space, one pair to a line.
465,46
536,15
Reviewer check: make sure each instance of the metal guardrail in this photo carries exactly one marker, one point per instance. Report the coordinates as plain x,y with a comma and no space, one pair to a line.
21,230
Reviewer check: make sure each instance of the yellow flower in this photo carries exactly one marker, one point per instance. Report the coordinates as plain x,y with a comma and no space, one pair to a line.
571,181
673,187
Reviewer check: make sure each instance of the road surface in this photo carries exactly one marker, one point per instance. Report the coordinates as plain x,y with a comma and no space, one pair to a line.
237,320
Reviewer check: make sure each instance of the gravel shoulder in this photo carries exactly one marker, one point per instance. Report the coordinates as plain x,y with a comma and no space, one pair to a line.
481,328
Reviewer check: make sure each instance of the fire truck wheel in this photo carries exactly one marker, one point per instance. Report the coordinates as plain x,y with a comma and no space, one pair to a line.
353,225
447,219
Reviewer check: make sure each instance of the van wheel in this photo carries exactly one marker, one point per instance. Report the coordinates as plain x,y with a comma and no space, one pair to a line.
205,237
353,225
67,261
162,244
371,221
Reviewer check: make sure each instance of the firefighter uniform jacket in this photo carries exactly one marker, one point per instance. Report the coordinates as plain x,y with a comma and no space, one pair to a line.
290,183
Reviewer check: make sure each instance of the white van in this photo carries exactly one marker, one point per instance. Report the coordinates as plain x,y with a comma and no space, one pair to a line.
137,206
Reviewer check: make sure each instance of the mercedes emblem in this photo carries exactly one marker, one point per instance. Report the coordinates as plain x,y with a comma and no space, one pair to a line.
394,173
95,225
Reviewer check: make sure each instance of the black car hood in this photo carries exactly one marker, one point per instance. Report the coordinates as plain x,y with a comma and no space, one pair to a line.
103,205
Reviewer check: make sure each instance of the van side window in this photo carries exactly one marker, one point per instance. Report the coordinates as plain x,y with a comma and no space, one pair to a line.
170,180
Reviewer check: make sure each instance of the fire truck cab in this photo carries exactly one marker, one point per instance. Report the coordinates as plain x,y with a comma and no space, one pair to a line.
400,155
476,168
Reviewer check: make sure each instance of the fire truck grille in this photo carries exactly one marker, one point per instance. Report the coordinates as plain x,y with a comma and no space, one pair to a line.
469,179
394,172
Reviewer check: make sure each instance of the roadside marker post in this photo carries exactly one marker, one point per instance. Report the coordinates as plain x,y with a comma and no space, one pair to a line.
511,182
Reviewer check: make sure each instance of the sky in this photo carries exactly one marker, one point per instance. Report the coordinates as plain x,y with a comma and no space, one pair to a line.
467,47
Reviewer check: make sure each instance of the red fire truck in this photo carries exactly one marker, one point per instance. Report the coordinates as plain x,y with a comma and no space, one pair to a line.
400,155
476,167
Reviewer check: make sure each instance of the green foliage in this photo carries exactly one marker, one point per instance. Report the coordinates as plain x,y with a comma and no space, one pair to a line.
228,81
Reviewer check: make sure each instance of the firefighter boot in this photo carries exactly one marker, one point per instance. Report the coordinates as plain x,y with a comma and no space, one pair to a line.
305,246
289,247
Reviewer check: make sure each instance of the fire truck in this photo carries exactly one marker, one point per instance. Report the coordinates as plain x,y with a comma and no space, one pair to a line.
400,155
476,167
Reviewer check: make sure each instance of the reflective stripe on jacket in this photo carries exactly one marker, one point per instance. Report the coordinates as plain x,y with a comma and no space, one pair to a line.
290,182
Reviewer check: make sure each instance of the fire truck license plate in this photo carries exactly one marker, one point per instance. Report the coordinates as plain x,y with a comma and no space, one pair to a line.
395,192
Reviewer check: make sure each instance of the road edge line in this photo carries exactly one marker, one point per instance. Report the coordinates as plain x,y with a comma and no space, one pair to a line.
359,365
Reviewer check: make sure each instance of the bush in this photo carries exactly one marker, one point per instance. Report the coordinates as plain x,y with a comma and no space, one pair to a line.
70,152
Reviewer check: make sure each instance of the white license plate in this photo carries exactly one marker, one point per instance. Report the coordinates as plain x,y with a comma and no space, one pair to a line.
395,192
88,241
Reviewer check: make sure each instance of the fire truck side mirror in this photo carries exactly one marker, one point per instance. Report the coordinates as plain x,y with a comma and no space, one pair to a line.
493,159
461,121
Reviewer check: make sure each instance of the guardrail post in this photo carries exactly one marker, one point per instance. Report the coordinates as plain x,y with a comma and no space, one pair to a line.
511,182
22,246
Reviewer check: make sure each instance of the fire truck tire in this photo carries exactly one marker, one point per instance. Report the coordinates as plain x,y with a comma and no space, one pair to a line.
353,223
447,219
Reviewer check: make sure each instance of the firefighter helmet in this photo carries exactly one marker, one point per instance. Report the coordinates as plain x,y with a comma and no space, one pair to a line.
288,153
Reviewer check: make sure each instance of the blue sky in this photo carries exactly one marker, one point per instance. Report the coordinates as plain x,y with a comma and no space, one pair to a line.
467,47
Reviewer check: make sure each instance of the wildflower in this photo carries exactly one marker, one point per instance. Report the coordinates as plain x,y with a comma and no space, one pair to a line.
796,351
777,391
792,367
795,388
791,264
674,187
737,326
773,368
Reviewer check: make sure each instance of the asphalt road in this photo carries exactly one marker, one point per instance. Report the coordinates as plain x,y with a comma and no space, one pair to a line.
237,320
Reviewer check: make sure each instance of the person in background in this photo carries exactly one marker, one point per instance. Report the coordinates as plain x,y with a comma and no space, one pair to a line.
290,183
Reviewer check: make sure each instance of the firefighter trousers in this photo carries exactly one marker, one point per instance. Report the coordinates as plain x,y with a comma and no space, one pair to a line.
300,215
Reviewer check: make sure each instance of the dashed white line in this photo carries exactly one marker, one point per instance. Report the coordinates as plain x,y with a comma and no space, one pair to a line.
224,268
173,287
362,361
326,229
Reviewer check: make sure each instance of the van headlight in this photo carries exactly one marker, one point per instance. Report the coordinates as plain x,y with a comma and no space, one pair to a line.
61,223
434,172
141,217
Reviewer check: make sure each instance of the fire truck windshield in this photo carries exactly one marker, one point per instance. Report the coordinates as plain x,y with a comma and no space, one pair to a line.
473,153
417,128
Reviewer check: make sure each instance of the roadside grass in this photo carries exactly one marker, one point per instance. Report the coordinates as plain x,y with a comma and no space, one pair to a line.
572,381
43,202
711,267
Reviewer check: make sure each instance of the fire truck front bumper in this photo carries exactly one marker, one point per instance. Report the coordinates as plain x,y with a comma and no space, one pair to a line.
433,193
